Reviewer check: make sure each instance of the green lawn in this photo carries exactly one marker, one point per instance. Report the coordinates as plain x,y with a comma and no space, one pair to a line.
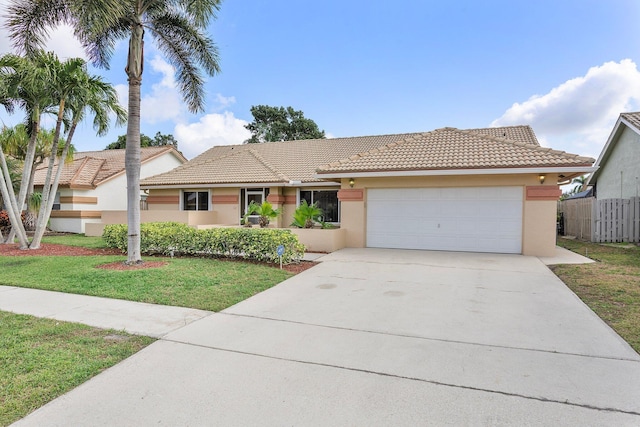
76,240
610,287
207,284
41,359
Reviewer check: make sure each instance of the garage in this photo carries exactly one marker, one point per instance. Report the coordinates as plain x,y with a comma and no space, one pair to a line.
466,219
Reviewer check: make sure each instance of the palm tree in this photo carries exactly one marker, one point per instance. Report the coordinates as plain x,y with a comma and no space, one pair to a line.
177,27
85,94
15,142
25,84
581,181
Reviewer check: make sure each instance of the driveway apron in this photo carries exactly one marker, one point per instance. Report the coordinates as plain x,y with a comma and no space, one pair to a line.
379,337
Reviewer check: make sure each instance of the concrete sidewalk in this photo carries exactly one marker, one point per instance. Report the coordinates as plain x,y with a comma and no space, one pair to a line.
134,317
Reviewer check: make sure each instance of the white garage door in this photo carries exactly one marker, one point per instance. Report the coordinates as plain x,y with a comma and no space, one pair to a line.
481,219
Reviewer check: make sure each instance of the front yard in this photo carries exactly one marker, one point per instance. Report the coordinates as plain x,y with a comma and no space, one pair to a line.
42,358
610,287
203,283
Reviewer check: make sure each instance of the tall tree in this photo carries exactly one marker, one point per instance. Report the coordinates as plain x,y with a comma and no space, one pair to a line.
25,83
177,27
78,94
71,90
272,124
145,141
581,181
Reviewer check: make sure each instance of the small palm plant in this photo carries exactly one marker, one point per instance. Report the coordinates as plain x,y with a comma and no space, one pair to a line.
306,215
265,211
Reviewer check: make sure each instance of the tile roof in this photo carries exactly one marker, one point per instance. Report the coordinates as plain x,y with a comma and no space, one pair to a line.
269,162
451,148
281,162
89,169
515,133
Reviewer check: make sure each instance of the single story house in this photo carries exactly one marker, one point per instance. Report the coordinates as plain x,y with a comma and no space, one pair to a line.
479,190
618,166
95,182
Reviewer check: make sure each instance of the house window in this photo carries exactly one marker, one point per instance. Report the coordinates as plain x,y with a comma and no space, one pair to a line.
56,202
195,200
248,195
327,200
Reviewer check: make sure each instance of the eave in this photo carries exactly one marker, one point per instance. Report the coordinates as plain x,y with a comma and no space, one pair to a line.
567,171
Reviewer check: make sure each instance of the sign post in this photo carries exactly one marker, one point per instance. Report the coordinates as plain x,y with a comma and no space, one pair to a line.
280,251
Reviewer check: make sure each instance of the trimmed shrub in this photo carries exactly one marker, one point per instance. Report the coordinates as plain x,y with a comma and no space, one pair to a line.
172,238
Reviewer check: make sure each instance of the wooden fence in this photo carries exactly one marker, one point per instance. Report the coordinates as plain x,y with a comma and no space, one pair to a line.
577,215
608,220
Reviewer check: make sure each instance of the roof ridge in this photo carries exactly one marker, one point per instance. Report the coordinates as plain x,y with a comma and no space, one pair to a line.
415,135
268,165
86,160
534,147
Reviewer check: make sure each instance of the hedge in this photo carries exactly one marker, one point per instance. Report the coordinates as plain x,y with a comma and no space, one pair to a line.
173,238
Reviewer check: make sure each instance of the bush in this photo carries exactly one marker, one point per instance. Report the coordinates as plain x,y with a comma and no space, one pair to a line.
5,223
172,238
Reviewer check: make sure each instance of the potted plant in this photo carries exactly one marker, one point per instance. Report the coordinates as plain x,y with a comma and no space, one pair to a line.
306,215
265,211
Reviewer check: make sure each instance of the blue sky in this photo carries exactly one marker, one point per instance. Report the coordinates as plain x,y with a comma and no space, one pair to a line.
567,68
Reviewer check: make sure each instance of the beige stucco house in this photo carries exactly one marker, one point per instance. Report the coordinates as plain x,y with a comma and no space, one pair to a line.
94,182
618,166
479,190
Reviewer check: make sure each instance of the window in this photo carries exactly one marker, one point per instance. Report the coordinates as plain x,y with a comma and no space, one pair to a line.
56,202
327,200
248,195
195,200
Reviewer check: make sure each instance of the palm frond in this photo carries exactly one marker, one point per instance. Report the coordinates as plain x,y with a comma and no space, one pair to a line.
187,49
29,22
201,11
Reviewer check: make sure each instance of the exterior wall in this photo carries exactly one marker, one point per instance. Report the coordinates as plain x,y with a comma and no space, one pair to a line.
539,228
226,205
619,177
163,200
79,207
317,240
539,211
283,198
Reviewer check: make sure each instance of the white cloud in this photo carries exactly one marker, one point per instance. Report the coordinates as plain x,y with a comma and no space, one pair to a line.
223,102
61,39
578,115
210,130
163,102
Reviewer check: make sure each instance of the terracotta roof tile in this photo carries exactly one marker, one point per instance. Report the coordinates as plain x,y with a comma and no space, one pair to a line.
91,168
451,148
279,161
514,133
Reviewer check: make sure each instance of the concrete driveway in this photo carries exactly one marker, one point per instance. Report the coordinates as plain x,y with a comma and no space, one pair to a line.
379,337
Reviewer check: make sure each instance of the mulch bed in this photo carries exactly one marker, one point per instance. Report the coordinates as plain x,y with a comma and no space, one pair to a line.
51,249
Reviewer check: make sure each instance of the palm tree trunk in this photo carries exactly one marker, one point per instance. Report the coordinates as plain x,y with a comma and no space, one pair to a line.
49,189
18,204
6,189
132,151
45,210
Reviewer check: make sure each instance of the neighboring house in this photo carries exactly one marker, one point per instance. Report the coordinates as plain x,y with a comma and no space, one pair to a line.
618,167
479,190
95,181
